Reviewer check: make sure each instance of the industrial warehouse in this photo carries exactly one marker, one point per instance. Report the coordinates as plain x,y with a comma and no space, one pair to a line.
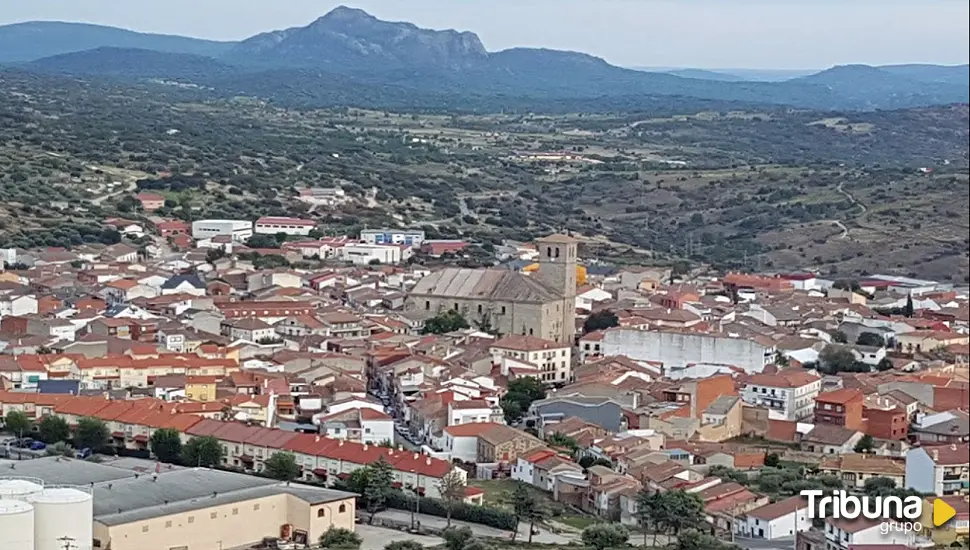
51,502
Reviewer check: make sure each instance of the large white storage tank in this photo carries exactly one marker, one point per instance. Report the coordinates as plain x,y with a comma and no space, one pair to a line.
16,525
60,514
18,489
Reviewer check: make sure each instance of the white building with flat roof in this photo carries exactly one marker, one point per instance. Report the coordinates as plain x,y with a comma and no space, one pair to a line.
238,230
413,237
289,226
363,253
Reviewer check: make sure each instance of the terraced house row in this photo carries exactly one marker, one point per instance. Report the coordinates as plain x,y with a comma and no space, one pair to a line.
322,459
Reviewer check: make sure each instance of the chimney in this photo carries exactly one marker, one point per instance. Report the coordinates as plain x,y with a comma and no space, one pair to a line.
416,455
317,438
936,454
341,444
428,461
365,446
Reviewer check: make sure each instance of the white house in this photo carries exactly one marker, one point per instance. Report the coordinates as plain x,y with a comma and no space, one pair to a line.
791,392
289,226
554,359
461,441
586,298
940,470
184,284
248,329
364,425
845,534
364,253
238,230
870,355
17,304
773,521
468,411
126,290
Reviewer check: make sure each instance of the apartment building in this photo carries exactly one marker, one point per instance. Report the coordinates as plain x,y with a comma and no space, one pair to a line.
942,470
840,408
790,394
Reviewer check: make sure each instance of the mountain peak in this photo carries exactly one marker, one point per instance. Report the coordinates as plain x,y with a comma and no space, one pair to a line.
350,37
345,13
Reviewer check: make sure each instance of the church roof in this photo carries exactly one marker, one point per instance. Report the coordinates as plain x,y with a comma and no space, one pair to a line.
485,284
557,238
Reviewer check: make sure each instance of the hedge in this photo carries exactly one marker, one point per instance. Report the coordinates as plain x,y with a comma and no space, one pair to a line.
484,515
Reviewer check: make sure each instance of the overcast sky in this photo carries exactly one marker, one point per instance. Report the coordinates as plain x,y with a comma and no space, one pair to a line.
792,34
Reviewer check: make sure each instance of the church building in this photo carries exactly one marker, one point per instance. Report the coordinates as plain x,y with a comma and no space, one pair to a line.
541,304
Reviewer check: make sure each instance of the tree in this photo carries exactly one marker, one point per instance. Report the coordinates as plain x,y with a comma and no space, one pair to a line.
476,544
885,364
839,337
865,444
446,322
457,537
282,466
537,514
379,483
559,440
695,540
17,422
205,451
61,448
404,545
675,511
52,429
520,395
645,513
338,538
908,308
600,320
835,359
452,490
870,339
605,535
261,240
91,433
772,460
358,480
518,500
166,444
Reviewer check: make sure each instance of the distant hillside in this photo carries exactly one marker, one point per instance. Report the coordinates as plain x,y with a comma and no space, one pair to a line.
703,74
951,74
130,62
863,84
34,40
351,39
349,53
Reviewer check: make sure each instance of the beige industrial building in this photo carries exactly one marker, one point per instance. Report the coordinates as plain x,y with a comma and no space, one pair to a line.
541,304
189,508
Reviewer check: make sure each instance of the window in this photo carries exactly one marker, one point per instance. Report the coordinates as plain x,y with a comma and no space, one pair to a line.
342,509
479,308
191,519
213,515
235,511
456,306
321,512
503,310
427,305
144,528
255,507
168,524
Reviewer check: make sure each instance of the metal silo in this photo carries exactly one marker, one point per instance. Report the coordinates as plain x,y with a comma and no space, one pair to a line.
19,488
62,514
16,525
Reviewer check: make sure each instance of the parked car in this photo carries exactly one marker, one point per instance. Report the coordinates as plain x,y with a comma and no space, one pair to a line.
83,453
37,446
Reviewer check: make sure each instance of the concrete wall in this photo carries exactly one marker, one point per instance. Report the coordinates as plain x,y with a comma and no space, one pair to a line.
225,526
677,350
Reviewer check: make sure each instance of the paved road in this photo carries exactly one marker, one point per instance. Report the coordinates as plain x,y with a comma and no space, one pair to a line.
787,543
544,536
376,538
